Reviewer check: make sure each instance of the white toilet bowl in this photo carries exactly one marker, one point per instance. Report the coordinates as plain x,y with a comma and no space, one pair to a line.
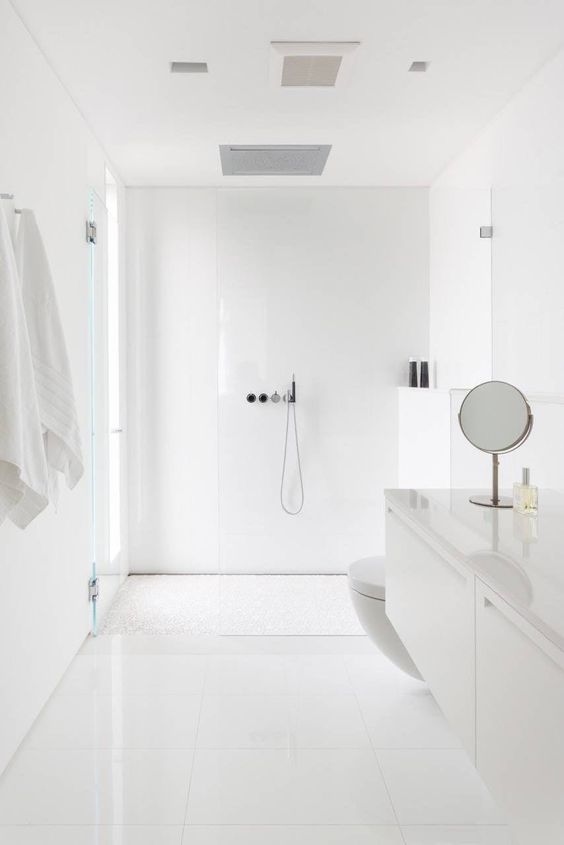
368,593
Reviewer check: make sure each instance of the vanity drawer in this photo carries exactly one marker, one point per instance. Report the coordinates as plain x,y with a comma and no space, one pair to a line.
430,602
520,720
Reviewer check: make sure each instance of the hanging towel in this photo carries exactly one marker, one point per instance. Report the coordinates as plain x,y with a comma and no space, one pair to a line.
23,468
9,206
55,394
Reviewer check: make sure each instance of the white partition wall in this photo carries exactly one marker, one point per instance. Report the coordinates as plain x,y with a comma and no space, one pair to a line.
331,284
528,273
230,291
461,286
520,157
172,380
49,160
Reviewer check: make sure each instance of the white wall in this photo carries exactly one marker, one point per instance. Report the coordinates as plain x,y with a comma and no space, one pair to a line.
424,433
520,156
331,284
48,159
172,380
460,291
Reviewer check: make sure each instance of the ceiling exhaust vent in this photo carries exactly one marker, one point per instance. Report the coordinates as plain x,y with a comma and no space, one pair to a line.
273,159
310,71
419,67
311,64
188,67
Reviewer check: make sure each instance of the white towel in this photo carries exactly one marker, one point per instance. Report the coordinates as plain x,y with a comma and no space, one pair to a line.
53,382
23,469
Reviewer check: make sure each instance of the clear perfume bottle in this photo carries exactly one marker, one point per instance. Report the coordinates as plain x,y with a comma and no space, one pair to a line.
525,495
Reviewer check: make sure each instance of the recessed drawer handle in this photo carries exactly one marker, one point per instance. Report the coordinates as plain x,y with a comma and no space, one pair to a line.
522,634
491,607
453,570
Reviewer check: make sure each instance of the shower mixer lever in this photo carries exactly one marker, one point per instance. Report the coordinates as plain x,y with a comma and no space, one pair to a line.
290,395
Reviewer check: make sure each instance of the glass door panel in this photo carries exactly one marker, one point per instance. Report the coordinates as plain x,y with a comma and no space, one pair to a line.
99,395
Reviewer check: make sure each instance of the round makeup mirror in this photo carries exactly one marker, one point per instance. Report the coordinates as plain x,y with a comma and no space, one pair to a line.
496,418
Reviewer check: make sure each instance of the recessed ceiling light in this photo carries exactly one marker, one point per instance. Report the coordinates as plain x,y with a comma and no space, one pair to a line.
419,67
188,67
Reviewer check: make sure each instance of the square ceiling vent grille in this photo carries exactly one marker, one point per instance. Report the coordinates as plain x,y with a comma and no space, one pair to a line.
310,71
274,159
311,64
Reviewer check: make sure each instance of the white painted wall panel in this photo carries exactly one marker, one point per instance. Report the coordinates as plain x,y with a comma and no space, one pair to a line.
48,159
331,284
528,270
460,292
423,438
520,156
172,305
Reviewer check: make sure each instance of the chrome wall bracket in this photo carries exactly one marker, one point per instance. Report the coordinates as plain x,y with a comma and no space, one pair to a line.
91,232
93,589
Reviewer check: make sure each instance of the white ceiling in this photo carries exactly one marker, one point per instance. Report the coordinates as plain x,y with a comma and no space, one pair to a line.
387,126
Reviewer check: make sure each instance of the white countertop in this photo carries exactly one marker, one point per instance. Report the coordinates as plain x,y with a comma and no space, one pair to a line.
520,557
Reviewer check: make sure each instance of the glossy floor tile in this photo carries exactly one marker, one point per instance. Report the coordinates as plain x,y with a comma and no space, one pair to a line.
458,835
281,721
118,721
292,835
288,787
278,674
256,674
96,787
135,674
232,740
319,675
186,644
436,787
398,719
373,674
90,835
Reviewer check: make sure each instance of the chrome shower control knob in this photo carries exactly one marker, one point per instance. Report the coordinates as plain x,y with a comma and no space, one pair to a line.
275,397
263,398
251,397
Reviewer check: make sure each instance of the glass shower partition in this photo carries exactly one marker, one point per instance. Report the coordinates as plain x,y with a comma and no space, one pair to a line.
97,246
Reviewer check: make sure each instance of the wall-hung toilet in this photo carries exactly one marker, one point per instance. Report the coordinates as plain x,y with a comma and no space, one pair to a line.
368,593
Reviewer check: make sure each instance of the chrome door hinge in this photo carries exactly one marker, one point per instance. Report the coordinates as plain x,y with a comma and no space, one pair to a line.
93,589
91,232
486,231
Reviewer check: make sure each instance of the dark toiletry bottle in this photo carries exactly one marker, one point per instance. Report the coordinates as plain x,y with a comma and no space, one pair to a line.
424,378
413,372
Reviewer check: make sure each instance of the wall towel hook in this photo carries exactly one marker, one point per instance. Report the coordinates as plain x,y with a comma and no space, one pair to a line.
10,197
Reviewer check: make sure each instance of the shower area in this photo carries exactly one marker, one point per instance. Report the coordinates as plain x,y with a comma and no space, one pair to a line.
234,525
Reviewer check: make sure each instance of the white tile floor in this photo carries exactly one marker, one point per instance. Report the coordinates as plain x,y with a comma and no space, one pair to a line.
180,740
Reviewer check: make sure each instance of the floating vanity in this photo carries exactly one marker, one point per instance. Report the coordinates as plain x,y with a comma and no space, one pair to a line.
477,597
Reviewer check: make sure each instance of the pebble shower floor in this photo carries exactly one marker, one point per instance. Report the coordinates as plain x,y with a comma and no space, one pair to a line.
245,605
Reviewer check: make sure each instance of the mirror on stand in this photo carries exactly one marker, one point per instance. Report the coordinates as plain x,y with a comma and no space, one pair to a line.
495,417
